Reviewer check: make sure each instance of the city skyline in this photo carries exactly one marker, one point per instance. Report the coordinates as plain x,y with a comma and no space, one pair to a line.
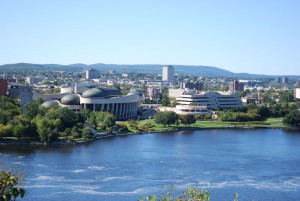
253,37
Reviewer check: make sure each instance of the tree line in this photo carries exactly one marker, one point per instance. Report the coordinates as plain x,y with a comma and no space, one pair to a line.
38,123
169,117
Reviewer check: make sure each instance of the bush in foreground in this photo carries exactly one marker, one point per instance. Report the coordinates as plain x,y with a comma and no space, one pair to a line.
191,194
10,184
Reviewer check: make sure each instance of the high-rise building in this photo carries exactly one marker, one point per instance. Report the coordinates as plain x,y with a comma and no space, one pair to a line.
3,87
236,86
298,83
192,85
284,80
90,74
168,73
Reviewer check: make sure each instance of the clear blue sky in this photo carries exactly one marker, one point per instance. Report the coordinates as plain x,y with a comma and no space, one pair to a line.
257,36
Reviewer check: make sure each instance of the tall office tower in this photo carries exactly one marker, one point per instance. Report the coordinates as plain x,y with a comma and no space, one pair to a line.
90,74
284,80
3,87
298,83
278,79
168,73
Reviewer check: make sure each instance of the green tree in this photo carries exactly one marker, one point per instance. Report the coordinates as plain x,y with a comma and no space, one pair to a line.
11,185
187,119
68,117
165,97
31,110
108,123
242,93
87,133
48,129
6,130
166,118
292,118
9,108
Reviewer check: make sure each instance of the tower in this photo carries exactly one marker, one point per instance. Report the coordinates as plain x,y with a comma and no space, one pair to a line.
168,73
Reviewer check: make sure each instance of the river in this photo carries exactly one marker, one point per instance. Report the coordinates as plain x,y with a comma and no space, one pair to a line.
258,164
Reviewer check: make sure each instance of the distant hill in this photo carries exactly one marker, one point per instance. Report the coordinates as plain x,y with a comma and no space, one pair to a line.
138,68
25,67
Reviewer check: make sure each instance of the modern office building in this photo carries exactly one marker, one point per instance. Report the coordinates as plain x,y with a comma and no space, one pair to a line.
23,92
168,73
236,86
212,100
282,80
192,85
3,87
90,74
99,98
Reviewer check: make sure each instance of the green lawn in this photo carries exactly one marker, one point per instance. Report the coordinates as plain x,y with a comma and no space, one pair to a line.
150,125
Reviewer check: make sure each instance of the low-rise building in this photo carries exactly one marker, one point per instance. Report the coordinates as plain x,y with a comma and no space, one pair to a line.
297,93
192,85
99,98
3,87
23,92
154,93
212,100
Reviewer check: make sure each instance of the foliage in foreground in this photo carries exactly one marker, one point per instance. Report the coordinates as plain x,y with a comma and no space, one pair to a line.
191,194
11,185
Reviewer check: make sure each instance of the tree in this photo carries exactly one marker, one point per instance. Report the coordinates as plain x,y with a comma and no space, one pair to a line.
242,93
108,122
9,108
68,117
48,129
187,119
11,185
292,118
6,130
104,120
31,110
165,97
86,133
264,111
166,118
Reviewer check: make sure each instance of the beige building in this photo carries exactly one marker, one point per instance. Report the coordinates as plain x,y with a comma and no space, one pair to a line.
168,73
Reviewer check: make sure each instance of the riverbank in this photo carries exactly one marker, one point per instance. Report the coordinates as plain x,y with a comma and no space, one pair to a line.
149,126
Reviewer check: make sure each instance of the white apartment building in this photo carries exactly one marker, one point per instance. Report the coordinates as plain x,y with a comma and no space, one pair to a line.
212,100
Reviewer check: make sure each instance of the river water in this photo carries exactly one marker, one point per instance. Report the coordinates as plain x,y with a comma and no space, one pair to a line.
258,164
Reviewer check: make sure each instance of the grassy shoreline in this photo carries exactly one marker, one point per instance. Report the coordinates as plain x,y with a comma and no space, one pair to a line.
149,126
